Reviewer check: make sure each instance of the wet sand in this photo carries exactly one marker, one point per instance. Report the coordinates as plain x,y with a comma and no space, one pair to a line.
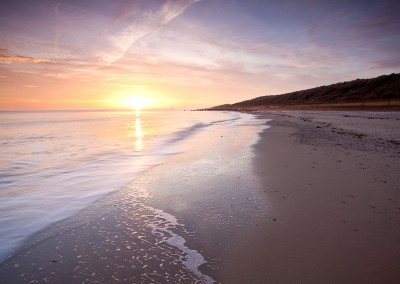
316,200
333,186
172,224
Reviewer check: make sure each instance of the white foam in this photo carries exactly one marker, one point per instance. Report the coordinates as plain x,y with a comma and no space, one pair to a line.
162,224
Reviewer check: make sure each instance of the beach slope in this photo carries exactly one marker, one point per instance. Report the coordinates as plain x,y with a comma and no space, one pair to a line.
333,189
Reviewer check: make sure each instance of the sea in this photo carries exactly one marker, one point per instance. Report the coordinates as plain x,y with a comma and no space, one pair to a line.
55,163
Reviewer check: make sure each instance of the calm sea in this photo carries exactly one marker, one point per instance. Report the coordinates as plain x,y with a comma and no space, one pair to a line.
53,164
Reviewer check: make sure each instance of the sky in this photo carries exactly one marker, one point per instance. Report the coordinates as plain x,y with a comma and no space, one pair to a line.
185,54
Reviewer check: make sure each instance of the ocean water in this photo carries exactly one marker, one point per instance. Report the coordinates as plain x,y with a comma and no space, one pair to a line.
54,164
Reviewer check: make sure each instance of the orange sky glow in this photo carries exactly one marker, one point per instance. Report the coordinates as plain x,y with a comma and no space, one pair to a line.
186,54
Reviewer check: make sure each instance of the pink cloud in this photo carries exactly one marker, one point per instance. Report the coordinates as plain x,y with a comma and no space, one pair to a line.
386,63
19,58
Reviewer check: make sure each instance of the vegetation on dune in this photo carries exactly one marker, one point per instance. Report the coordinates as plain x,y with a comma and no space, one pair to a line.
386,87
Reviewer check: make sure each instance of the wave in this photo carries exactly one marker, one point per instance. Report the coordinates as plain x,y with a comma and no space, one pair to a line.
189,131
43,187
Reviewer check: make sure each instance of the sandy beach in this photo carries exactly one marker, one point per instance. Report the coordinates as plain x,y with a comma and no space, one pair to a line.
315,200
333,187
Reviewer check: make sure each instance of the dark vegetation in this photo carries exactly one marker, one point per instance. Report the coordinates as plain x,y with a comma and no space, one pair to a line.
384,89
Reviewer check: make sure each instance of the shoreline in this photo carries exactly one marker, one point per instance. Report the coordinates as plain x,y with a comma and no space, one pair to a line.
310,107
171,224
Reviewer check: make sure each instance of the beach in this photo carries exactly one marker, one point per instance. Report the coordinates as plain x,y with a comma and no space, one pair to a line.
333,186
289,197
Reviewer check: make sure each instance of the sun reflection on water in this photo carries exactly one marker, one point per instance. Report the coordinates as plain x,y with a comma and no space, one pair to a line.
138,133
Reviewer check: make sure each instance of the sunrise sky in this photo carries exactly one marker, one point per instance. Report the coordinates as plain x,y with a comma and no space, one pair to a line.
104,54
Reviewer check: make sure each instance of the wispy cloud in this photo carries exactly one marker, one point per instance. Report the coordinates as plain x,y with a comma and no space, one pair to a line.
172,9
143,25
383,64
19,58
195,51
10,100
126,85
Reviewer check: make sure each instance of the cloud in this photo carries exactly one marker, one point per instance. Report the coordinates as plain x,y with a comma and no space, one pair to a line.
18,58
386,64
24,59
126,85
143,25
12,100
389,58
173,9
29,86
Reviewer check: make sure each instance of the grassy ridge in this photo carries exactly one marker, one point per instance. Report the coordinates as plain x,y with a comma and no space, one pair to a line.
384,88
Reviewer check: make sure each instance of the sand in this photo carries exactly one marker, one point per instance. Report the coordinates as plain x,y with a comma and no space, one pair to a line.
315,200
333,185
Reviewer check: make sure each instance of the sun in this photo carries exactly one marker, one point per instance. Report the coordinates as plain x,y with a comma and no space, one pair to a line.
136,101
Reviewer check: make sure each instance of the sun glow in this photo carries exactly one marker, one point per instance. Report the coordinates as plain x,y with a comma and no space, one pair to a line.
137,101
